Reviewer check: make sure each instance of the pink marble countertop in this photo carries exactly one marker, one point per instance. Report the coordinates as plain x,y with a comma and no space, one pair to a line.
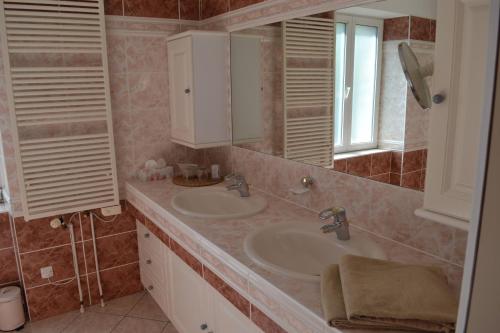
228,236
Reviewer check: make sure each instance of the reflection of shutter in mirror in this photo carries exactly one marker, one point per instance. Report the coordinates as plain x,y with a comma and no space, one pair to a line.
308,46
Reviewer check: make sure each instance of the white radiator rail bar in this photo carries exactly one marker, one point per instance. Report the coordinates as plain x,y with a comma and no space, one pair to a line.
59,174
309,89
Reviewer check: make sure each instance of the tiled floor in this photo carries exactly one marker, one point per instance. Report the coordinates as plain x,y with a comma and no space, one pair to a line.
136,313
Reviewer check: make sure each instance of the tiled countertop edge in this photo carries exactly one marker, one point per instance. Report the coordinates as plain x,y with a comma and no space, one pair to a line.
276,304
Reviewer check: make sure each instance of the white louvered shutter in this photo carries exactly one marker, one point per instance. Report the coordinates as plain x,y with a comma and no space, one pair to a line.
308,89
58,87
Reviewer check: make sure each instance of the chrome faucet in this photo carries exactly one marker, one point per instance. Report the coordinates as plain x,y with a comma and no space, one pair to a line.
339,225
239,184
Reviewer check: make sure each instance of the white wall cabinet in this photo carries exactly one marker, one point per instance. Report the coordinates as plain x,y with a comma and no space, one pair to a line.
455,124
198,70
186,298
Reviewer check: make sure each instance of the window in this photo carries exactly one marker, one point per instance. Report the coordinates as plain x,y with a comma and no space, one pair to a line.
357,80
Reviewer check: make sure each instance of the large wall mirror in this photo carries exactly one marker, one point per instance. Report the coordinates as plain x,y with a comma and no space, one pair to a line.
329,90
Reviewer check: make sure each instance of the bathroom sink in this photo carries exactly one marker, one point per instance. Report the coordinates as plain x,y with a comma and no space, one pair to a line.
217,203
301,250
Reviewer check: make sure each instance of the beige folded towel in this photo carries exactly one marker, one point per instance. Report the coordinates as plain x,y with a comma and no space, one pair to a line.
377,294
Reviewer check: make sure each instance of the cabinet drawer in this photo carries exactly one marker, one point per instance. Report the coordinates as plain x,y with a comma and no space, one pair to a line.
156,289
153,265
148,241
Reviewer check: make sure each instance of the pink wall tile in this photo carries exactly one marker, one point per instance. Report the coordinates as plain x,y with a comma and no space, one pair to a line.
128,277
112,251
237,4
113,7
383,178
189,259
381,163
8,272
122,223
412,179
359,166
340,165
396,28
395,179
190,10
211,8
412,161
60,258
225,290
152,8
146,54
422,29
37,234
396,161
265,323
50,300
5,233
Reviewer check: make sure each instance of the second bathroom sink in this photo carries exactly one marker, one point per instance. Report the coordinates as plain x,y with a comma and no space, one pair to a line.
217,203
301,250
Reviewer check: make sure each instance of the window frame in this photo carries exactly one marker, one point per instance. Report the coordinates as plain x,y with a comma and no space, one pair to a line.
351,21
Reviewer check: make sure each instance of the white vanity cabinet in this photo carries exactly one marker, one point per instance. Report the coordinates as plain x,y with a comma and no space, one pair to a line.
197,307
198,70
185,297
188,299
455,124
152,262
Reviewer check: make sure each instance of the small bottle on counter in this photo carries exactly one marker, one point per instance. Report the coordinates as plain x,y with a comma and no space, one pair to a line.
215,171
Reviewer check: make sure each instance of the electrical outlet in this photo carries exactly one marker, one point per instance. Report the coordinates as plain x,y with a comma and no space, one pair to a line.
47,272
110,211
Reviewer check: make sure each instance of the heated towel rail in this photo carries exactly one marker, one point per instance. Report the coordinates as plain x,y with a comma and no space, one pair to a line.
57,83
308,89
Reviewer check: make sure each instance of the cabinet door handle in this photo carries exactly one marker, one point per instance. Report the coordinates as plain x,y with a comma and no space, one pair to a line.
203,327
438,98
146,235
187,91
150,288
148,261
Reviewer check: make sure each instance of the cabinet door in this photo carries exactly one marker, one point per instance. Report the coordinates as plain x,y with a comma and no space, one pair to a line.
180,71
188,302
455,124
226,318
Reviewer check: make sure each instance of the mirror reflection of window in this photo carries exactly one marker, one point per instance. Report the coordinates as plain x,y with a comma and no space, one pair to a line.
357,81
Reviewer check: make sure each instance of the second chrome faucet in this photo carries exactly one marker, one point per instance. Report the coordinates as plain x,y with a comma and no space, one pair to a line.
339,223
238,183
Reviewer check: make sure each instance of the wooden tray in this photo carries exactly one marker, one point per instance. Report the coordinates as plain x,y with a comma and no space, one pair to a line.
195,182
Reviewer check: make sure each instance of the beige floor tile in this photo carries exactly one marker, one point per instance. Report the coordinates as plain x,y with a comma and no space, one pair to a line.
51,325
147,308
119,306
170,329
139,325
91,322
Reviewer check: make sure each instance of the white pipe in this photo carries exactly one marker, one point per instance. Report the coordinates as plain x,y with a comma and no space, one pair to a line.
75,264
94,243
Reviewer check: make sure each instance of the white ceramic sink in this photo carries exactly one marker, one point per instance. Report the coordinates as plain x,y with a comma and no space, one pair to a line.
301,250
217,203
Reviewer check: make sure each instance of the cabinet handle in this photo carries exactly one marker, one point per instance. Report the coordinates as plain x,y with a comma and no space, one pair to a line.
438,98
148,261
150,288
203,327
146,235
187,91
